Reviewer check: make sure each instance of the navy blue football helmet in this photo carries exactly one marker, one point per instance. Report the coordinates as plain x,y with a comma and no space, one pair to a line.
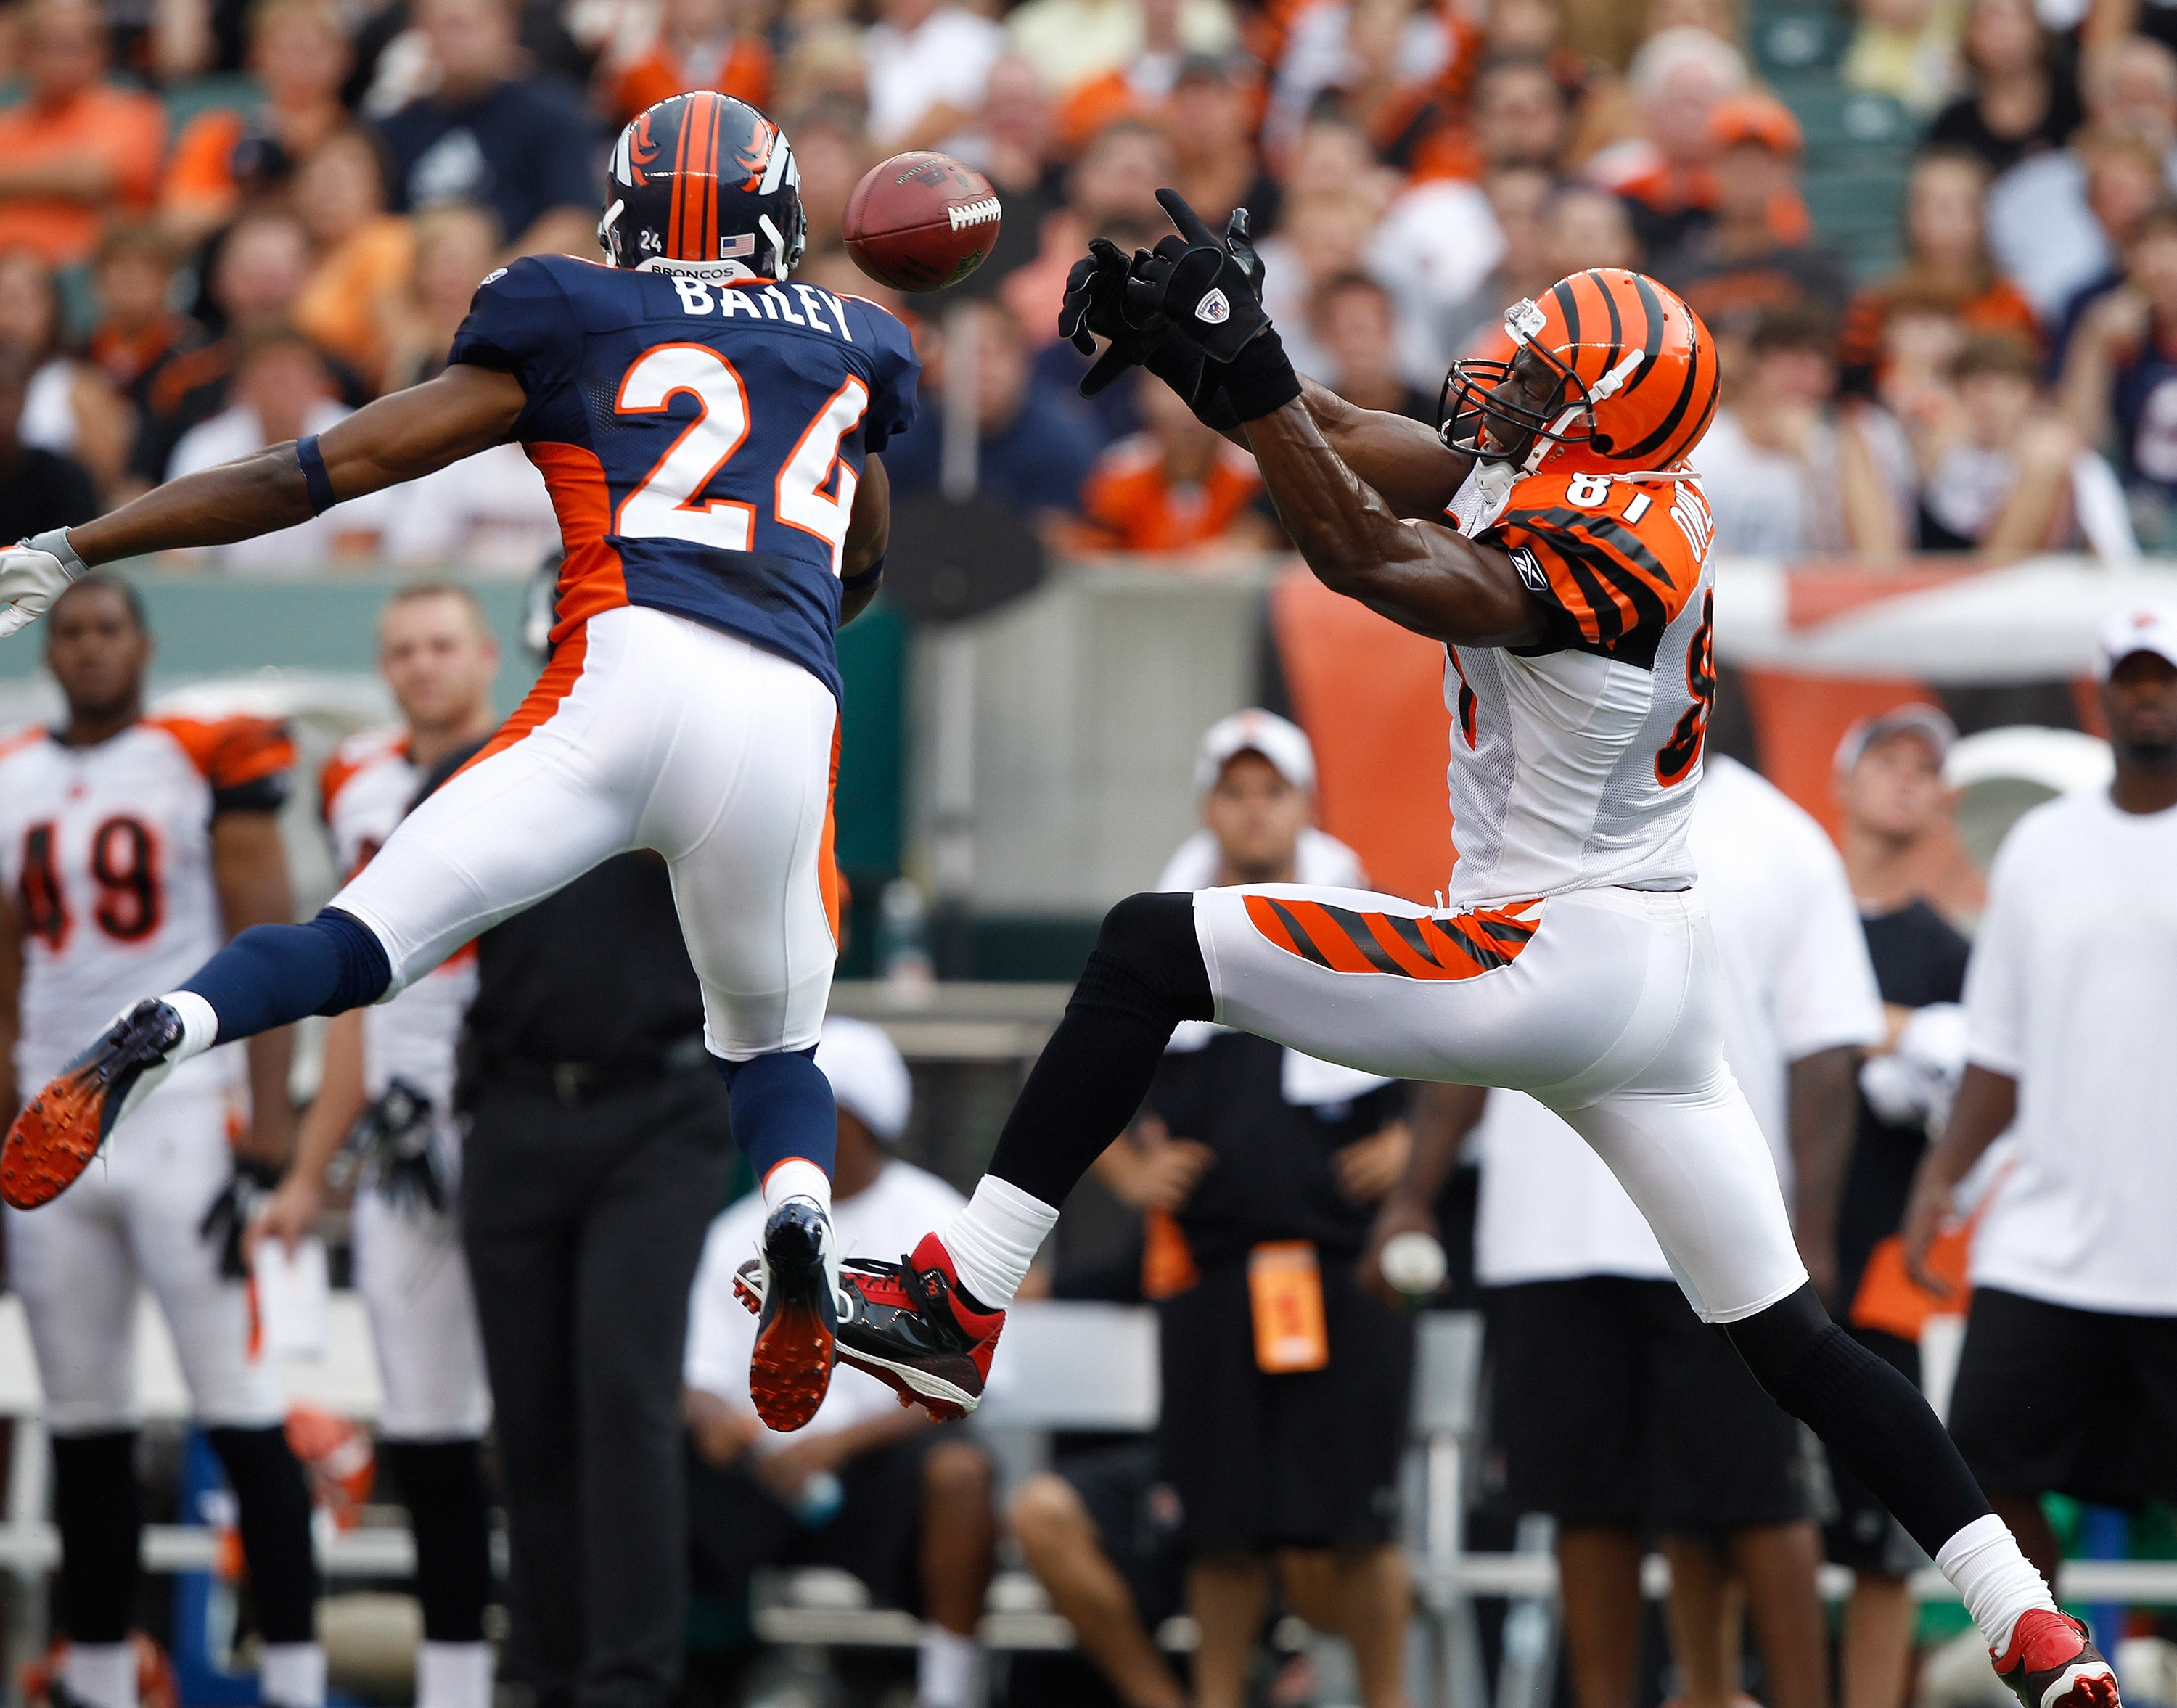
702,180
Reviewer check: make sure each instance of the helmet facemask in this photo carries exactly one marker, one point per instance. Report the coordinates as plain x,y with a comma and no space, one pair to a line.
1468,405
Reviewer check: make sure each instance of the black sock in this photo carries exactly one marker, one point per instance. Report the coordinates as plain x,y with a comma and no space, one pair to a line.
1144,976
95,1502
272,1504
443,1483
1879,1424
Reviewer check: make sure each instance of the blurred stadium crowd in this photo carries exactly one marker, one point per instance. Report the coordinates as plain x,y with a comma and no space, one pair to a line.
1938,240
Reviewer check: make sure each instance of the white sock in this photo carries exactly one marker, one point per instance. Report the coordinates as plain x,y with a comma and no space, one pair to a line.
1996,1580
996,1238
944,1671
101,1674
199,1023
292,1675
455,1675
797,1178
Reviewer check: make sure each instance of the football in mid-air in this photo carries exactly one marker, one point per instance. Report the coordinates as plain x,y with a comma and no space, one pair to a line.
921,222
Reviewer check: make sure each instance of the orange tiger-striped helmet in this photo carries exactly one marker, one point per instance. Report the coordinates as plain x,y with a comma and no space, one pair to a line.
1635,385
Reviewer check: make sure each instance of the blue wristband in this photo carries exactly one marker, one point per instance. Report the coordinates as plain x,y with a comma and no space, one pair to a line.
868,578
314,477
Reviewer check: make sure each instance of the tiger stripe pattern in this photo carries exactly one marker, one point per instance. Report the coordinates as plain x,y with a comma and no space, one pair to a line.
1423,946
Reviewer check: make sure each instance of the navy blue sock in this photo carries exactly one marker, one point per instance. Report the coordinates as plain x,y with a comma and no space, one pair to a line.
782,1107
273,975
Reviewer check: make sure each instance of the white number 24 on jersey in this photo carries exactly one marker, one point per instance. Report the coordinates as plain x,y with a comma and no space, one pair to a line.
668,503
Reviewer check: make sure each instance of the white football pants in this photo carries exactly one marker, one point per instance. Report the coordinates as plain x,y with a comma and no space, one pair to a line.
415,1286
646,731
1605,1004
131,1219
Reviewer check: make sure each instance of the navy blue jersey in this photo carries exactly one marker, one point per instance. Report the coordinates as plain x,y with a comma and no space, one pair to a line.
702,440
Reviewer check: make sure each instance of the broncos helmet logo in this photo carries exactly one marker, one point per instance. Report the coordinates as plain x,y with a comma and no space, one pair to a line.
754,156
642,150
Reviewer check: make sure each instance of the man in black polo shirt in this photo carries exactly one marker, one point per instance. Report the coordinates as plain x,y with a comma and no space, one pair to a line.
597,1155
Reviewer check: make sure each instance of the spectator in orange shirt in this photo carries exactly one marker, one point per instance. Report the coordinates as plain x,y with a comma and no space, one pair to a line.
1176,487
76,149
1946,262
1756,251
1668,177
300,54
364,254
700,44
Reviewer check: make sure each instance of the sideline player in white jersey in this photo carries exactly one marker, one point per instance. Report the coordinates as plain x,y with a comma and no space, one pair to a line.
130,848
707,428
1554,537
389,1082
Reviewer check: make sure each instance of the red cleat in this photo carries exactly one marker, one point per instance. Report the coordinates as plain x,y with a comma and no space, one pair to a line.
905,1325
2052,1663
64,1125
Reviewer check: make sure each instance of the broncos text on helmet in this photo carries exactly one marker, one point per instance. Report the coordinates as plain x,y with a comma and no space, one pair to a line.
704,182
1634,373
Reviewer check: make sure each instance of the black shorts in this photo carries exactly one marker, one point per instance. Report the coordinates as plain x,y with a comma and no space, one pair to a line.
1860,1532
1309,1460
1136,1519
2083,1403
736,1524
1615,1405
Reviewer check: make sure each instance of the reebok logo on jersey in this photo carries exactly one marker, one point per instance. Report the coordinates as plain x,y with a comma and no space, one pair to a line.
1213,309
973,213
1530,571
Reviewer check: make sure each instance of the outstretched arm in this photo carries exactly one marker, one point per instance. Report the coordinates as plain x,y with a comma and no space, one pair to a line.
465,409
1421,576
1413,471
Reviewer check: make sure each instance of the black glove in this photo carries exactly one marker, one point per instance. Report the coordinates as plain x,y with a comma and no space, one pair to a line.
1209,288
392,1139
228,1217
1209,292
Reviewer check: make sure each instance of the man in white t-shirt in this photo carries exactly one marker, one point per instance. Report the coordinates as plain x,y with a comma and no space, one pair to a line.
2071,1010
867,1485
1616,1408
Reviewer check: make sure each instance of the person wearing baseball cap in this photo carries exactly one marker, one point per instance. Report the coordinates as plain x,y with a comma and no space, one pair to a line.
1254,776
867,1485
1897,835
2071,1002
1759,248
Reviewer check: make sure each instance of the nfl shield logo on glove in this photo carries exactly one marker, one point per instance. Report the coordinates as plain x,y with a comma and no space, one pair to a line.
1213,309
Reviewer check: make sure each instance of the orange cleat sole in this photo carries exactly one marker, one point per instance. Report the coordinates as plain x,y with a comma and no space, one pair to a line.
52,1140
790,1370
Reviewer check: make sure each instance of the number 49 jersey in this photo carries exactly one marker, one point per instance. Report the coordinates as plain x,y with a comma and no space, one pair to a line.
702,440
107,856
1573,763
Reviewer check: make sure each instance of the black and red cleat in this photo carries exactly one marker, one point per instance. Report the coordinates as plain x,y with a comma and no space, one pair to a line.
909,1324
59,1131
906,1324
793,1290
2052,1663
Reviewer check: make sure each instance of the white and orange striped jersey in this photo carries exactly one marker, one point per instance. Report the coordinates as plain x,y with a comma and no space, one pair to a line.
365,790
1574,762
105,854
